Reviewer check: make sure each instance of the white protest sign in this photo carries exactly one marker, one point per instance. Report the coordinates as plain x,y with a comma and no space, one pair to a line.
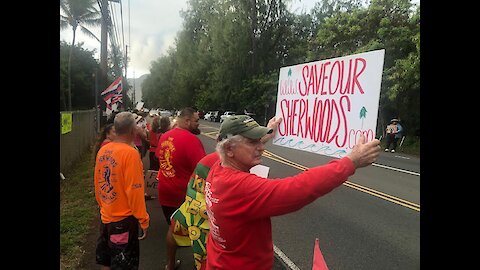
260,170
139,105
151,183
326,105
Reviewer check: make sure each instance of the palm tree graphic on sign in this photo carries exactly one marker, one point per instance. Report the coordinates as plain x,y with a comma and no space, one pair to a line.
363,114
289,72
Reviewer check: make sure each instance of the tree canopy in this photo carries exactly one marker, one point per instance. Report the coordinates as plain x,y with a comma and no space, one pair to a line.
228,53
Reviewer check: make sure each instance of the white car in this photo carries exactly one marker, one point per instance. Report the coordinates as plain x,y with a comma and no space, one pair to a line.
225,115
207,116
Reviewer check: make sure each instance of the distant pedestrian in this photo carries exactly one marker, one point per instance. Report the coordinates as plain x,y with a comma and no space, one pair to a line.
393,133
240,204
119,191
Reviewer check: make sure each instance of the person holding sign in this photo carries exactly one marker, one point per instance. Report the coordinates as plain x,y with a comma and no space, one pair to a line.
189,223
394,133
240,204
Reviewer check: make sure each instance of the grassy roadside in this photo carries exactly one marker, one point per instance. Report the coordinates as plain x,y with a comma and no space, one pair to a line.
410,146
78,210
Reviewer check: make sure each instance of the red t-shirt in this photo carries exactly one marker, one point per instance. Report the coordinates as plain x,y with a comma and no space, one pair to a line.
240,205
106,141
153,138
178,151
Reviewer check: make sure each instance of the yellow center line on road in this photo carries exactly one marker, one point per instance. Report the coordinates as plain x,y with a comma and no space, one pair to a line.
385,196
209,134
349,184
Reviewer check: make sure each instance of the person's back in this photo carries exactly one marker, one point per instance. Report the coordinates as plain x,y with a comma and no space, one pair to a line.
119,191
192,217
178,152
118,169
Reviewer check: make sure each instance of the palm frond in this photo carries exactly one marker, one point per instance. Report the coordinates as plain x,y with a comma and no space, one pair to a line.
88,33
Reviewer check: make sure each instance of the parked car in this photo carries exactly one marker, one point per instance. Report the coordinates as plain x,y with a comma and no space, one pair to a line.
207,116
165,113
215,117
225,115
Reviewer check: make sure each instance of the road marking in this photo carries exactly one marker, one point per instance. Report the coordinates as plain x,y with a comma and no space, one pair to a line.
384,196
395,169
209,134
284,258
350,184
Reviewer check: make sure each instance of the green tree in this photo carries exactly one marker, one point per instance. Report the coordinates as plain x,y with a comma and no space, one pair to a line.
84,66
77,13
392,25
228,53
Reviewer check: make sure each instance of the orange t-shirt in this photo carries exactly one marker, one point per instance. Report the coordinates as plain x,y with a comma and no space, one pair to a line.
119,184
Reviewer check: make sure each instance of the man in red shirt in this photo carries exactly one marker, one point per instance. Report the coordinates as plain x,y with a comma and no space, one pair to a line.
240,204
189,225
178,151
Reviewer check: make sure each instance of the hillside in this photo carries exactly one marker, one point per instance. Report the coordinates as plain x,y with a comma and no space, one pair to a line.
137,86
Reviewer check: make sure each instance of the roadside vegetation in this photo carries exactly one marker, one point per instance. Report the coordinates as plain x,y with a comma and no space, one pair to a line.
410,146
78,211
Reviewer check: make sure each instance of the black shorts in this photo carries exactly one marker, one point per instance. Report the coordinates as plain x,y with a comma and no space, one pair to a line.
118,245
167,212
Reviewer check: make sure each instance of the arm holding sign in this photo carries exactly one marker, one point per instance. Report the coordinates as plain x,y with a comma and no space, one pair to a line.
240,204
364,154
273,124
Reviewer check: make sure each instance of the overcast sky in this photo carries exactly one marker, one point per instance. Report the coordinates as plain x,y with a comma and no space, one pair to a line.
149,27
153,27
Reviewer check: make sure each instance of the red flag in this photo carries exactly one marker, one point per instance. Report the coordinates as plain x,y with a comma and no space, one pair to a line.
115,86
318,261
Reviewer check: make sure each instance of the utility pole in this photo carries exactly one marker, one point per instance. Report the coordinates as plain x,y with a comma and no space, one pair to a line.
103,49
124,91
97,108
134,93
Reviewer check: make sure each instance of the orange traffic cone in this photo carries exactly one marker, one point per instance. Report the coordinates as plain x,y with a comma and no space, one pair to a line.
318,261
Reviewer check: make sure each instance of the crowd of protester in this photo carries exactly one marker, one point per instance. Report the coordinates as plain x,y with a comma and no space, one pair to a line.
201,193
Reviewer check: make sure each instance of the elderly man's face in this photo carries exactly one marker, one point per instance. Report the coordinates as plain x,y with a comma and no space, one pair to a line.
247,153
